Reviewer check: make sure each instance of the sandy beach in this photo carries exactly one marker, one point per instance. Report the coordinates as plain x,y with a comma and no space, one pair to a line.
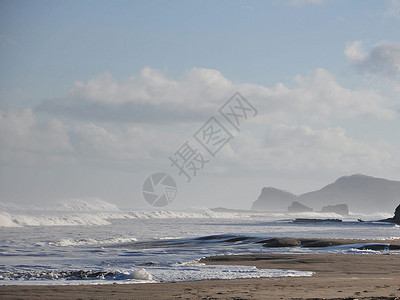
337,276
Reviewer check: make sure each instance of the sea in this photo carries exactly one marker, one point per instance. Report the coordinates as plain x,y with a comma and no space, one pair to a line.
82,242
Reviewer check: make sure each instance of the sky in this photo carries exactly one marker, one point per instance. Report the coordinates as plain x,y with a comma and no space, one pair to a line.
95,96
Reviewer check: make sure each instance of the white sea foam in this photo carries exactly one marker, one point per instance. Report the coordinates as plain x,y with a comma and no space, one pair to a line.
171,274
201,272
6,220
141,274
21,220
95,211
90,241
47,252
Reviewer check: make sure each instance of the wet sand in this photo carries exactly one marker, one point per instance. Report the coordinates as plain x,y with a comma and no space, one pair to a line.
337,276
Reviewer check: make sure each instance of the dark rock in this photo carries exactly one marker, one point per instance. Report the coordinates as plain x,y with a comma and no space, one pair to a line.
340,209
273,199
297,207
395,219
238,239
379,247
394,247
281,242
306,220
320,243
375,247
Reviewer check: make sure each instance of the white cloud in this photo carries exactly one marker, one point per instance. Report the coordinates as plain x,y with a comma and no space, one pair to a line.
317,97
354,51
154,98
152,87
26,140
123,144
302,149
315,100
384,58
150,97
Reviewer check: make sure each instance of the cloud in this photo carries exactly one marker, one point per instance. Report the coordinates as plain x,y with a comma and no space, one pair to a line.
154,98
123,144
284,148
105,121
393,10
151,97
354,52
303,149
26,140
383,59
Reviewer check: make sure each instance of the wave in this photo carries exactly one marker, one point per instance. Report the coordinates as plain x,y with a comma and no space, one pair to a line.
165,274
100,212
21,220
140,274
90,242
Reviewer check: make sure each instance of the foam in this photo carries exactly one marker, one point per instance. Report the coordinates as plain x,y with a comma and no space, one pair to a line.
194,272
9,277
21,220
141,274
98,212
90,241
190,272
6,220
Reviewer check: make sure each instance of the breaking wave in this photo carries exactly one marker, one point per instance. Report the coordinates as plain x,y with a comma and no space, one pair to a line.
169,274
95,211
91,242
21,220
75,275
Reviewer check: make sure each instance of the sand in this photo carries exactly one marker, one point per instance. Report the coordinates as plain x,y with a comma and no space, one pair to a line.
337,276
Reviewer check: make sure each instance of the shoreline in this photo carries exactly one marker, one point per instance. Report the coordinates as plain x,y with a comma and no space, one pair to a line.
336,276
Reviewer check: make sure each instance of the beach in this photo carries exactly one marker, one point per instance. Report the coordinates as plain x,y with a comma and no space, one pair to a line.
337,276
200,255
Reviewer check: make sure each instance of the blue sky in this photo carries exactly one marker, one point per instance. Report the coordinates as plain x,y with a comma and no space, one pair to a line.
142,76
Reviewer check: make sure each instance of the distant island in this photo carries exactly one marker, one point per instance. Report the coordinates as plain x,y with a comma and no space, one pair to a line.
359,193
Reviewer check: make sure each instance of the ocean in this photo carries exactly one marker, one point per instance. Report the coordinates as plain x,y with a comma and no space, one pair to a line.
86,242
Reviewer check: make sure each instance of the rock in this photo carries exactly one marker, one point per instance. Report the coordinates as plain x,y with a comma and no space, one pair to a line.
364,194
374,247
281,242
319,243
311,221
297,207
272,199
395,219
340,209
